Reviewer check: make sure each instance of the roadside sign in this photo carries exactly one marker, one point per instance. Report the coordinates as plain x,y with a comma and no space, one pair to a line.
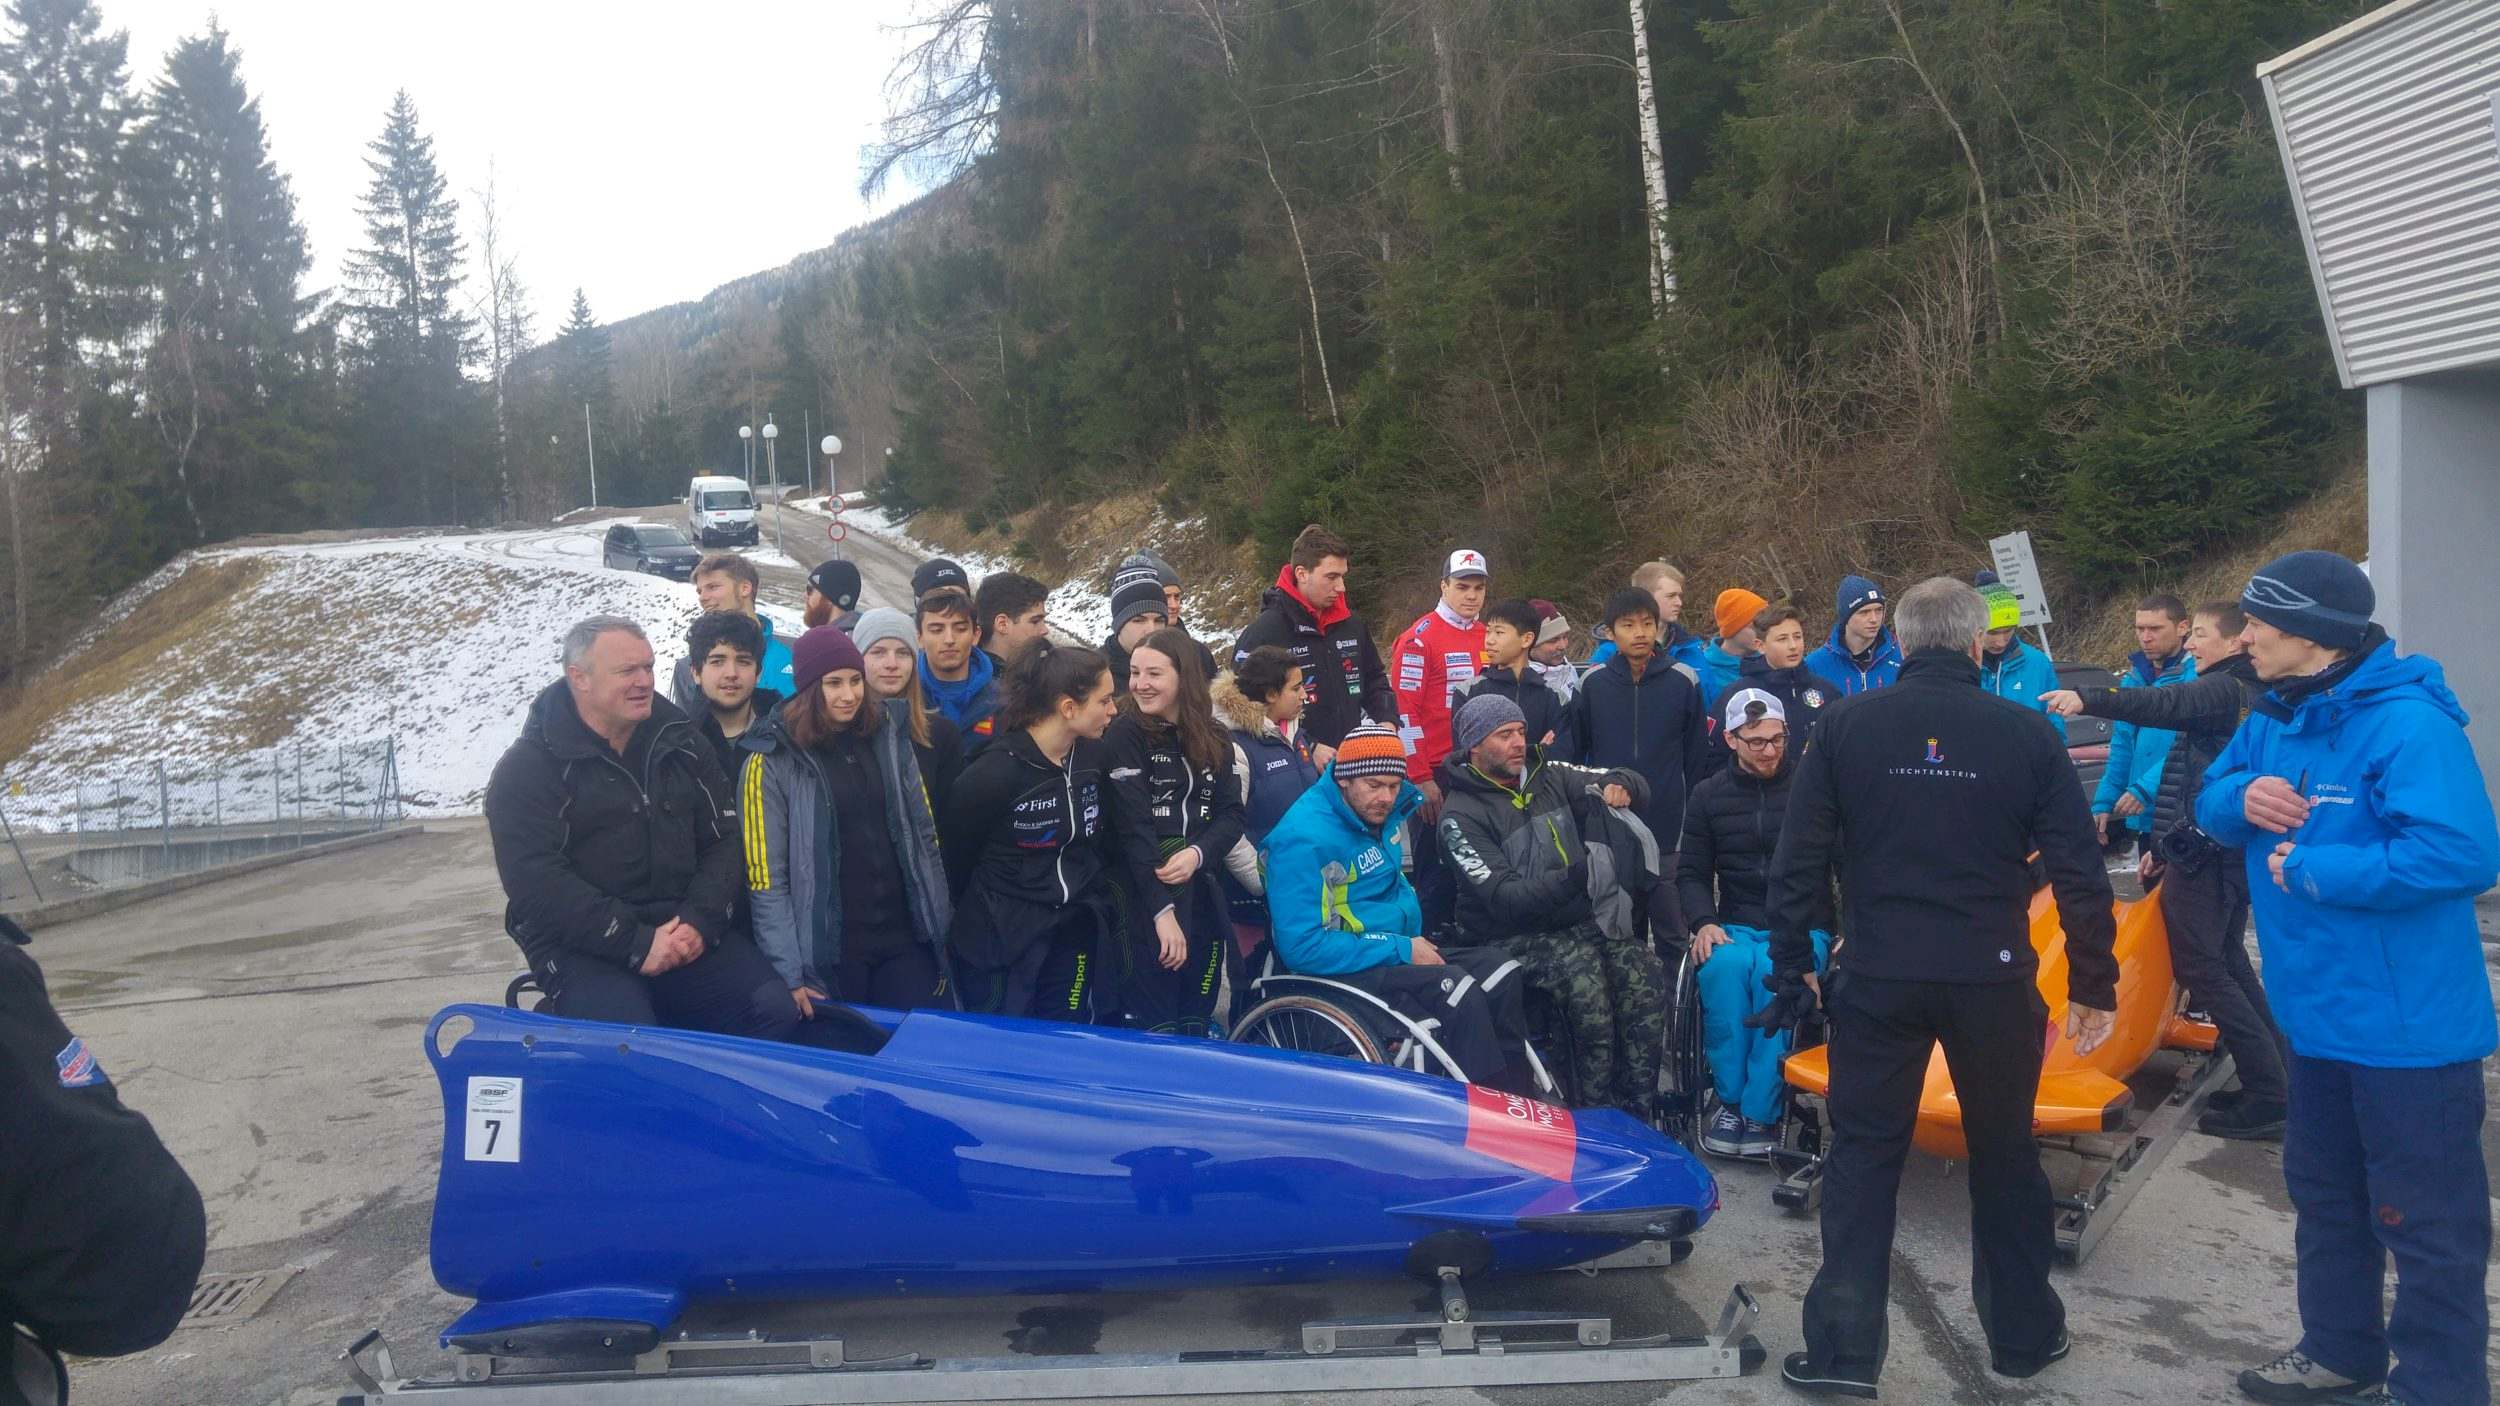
2018,571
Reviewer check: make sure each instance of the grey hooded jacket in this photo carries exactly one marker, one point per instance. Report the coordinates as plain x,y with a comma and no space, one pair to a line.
793,848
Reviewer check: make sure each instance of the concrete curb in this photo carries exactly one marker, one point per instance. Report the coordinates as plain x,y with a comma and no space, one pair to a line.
88,905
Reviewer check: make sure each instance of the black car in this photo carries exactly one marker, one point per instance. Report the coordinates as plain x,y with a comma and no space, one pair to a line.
642,546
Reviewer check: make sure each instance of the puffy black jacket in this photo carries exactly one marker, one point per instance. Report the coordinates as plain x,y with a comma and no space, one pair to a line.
1930,796
2204,711
597,850
1514,847
1342,680
101,1232
1023,840
1731,830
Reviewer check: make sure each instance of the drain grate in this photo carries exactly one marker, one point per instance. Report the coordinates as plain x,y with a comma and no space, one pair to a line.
220,1299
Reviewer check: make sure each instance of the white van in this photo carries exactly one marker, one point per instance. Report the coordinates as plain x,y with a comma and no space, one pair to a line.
721,510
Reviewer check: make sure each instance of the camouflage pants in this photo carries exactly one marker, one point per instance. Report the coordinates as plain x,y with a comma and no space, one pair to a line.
1612,995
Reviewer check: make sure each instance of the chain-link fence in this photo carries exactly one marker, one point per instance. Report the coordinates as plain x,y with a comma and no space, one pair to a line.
130,824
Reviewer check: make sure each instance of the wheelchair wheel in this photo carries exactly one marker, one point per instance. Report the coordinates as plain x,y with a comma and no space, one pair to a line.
1686,1095
1308,1025
515,996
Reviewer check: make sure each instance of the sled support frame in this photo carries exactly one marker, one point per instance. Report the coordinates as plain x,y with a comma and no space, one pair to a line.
2114,1167
1456,1348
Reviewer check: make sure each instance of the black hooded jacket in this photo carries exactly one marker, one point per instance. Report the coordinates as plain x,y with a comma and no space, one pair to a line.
1342,678
1929,797
1023,841
596,850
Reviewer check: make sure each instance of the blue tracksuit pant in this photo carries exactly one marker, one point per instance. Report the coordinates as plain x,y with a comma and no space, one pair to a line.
1745,1064
2386,1162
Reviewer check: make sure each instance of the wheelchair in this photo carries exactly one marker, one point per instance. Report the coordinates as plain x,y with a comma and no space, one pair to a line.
1687,1095
1322,1015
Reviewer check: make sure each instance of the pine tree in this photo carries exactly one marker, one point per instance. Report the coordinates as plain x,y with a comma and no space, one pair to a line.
424,440
585,362
225,259
64,112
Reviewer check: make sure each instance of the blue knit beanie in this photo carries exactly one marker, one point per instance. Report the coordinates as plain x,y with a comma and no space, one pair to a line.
2318,596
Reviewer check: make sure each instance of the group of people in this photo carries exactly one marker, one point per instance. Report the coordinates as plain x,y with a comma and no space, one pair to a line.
948,807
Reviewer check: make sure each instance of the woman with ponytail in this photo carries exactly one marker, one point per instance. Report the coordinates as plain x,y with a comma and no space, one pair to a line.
1175,815
1023,838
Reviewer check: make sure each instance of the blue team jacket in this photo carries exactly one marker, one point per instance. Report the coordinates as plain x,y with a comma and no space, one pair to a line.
1336,902
2372,956
2023,674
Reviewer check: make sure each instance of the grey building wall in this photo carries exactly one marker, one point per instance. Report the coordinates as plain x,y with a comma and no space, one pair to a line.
2435,533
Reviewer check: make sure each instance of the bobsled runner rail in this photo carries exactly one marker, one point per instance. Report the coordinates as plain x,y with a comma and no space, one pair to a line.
1455,1349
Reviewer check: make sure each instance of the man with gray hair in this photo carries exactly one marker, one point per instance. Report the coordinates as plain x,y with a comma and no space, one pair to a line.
616,837
1929,797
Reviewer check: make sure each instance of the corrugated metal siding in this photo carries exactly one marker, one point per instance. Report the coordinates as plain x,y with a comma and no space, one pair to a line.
2388,140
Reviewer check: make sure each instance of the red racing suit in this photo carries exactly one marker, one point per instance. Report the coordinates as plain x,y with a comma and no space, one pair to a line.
1437,657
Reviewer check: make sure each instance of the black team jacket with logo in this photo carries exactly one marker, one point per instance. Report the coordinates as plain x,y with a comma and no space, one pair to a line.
1023,842
1929,797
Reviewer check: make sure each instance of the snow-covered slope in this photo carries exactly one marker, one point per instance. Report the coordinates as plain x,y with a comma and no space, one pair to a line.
439,642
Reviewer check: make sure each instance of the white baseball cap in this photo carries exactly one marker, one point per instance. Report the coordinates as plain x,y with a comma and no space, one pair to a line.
1748,706
1466,561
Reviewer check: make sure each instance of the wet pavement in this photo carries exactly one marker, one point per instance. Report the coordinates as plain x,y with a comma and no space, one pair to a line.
269,1025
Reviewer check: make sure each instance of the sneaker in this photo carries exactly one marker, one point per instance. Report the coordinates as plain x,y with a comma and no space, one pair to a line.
1799,1371
2224,1100
1726,1134
2056,1353
2198,1017
1758,1139
2248,1120
2294,1378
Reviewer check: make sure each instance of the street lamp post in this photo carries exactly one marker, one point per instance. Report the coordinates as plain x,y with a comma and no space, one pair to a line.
772,467
832,445
746,448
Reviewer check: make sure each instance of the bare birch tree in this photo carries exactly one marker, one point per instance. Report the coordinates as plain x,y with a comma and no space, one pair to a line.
504,309
1653,165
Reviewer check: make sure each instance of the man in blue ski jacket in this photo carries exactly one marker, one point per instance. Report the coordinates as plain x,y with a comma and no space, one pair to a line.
1340,907
2009,668
1861,654
2368,833
2130,789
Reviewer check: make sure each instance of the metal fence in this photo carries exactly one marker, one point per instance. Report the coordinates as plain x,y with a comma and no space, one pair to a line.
131,824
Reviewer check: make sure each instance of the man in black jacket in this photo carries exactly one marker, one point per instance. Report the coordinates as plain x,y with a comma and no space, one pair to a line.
2203,886
101,1232
616,837
1930,796
1538,877
1305,612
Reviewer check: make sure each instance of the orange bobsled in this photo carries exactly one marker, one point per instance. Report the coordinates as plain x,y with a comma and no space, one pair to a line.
2078,1093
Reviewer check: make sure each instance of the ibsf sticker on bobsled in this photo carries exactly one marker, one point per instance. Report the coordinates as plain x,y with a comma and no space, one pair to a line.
1531,1135
494,1133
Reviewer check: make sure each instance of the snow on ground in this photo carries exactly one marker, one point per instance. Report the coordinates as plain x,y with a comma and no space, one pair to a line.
439,642
1076,607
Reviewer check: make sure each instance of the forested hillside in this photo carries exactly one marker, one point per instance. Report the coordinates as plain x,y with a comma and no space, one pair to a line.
1930,269
1881,278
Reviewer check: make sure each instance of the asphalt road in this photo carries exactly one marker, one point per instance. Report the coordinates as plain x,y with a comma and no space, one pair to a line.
269,1026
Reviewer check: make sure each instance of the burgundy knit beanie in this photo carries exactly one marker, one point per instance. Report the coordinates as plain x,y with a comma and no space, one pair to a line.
821,651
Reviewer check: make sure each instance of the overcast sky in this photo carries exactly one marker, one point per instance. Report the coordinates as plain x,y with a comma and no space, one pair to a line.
646,152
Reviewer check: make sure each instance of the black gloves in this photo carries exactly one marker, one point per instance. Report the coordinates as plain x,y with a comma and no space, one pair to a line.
1791,1001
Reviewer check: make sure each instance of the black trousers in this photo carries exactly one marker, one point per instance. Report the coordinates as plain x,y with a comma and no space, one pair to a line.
1477,996
729,990
904,979
1051,977
1183,1001
1882,1033
2206,910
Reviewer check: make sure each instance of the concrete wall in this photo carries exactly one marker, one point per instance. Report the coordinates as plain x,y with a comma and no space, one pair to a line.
2435,533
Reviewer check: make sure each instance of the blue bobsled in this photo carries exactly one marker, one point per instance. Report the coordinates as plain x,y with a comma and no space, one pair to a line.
596,1178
